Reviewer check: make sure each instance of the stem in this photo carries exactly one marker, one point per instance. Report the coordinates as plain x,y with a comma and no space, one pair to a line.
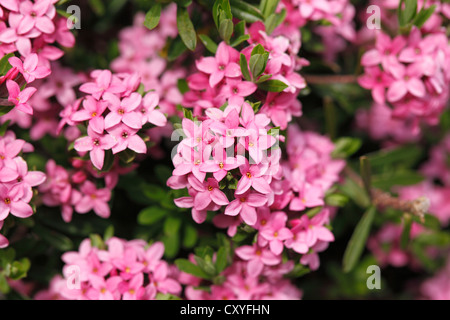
382,199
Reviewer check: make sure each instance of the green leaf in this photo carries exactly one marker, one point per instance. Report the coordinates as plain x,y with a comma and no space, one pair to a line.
206,265
366,174
239,40
172,226
245,11
268,7
176,49
274,20
167,296
188,267
186,29
406,232
19,269
221,259
190,237
399,178
153,192
4,286
208,43
409,12
431,221
312,212
358,240
4,64
152,16
188,114
336,200
263,78
97,241
345,147
151,215
109,233
171,245
239,28
226,29
4,127
53,238
272,86
5,109
127,156
423,16
244,68
407,156
183,3
97,6
183,85
258,49
257,65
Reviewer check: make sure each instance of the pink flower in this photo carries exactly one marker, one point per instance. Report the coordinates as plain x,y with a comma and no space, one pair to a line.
312,258
208,192
29,68
252,176
407,80
235,90
257,258
11,201
104,289
3,241
275,232
148,111
123,111
104,82
220,66
133,290
94,199
127,137
36,15
245,205
96,144
376,80
28,179
20,98
161,282
92,111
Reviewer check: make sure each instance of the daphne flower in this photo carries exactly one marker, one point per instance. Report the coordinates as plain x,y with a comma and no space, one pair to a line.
96,144
20,98
245,205
220,66
92,111
208,192
94,199
123,110
11,201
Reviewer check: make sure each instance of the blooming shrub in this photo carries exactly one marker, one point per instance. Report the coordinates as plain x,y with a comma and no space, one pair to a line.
224,150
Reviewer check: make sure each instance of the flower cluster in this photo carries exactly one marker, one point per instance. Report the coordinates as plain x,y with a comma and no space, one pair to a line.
31,29
438,286
415,72
125,270
16,182
229,148
239,284
221,80
114,113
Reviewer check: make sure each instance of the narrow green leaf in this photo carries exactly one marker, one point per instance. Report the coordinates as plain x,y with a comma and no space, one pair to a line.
406,232
4,64
152,16
269,7
257,65
5,109
358,240
172,226
407,156
151,215
206,265
258,49
176,49
245,11
188,114
225,6
239,40
221,259
272,86
244,67
431,221
190,237
188,267
4,286
186,29
336,200
208,43
109,233
171,245
399,178
183,3
366,174
4,127
423,16
226,29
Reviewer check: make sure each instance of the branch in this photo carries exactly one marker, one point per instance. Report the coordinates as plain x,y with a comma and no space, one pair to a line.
382,199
